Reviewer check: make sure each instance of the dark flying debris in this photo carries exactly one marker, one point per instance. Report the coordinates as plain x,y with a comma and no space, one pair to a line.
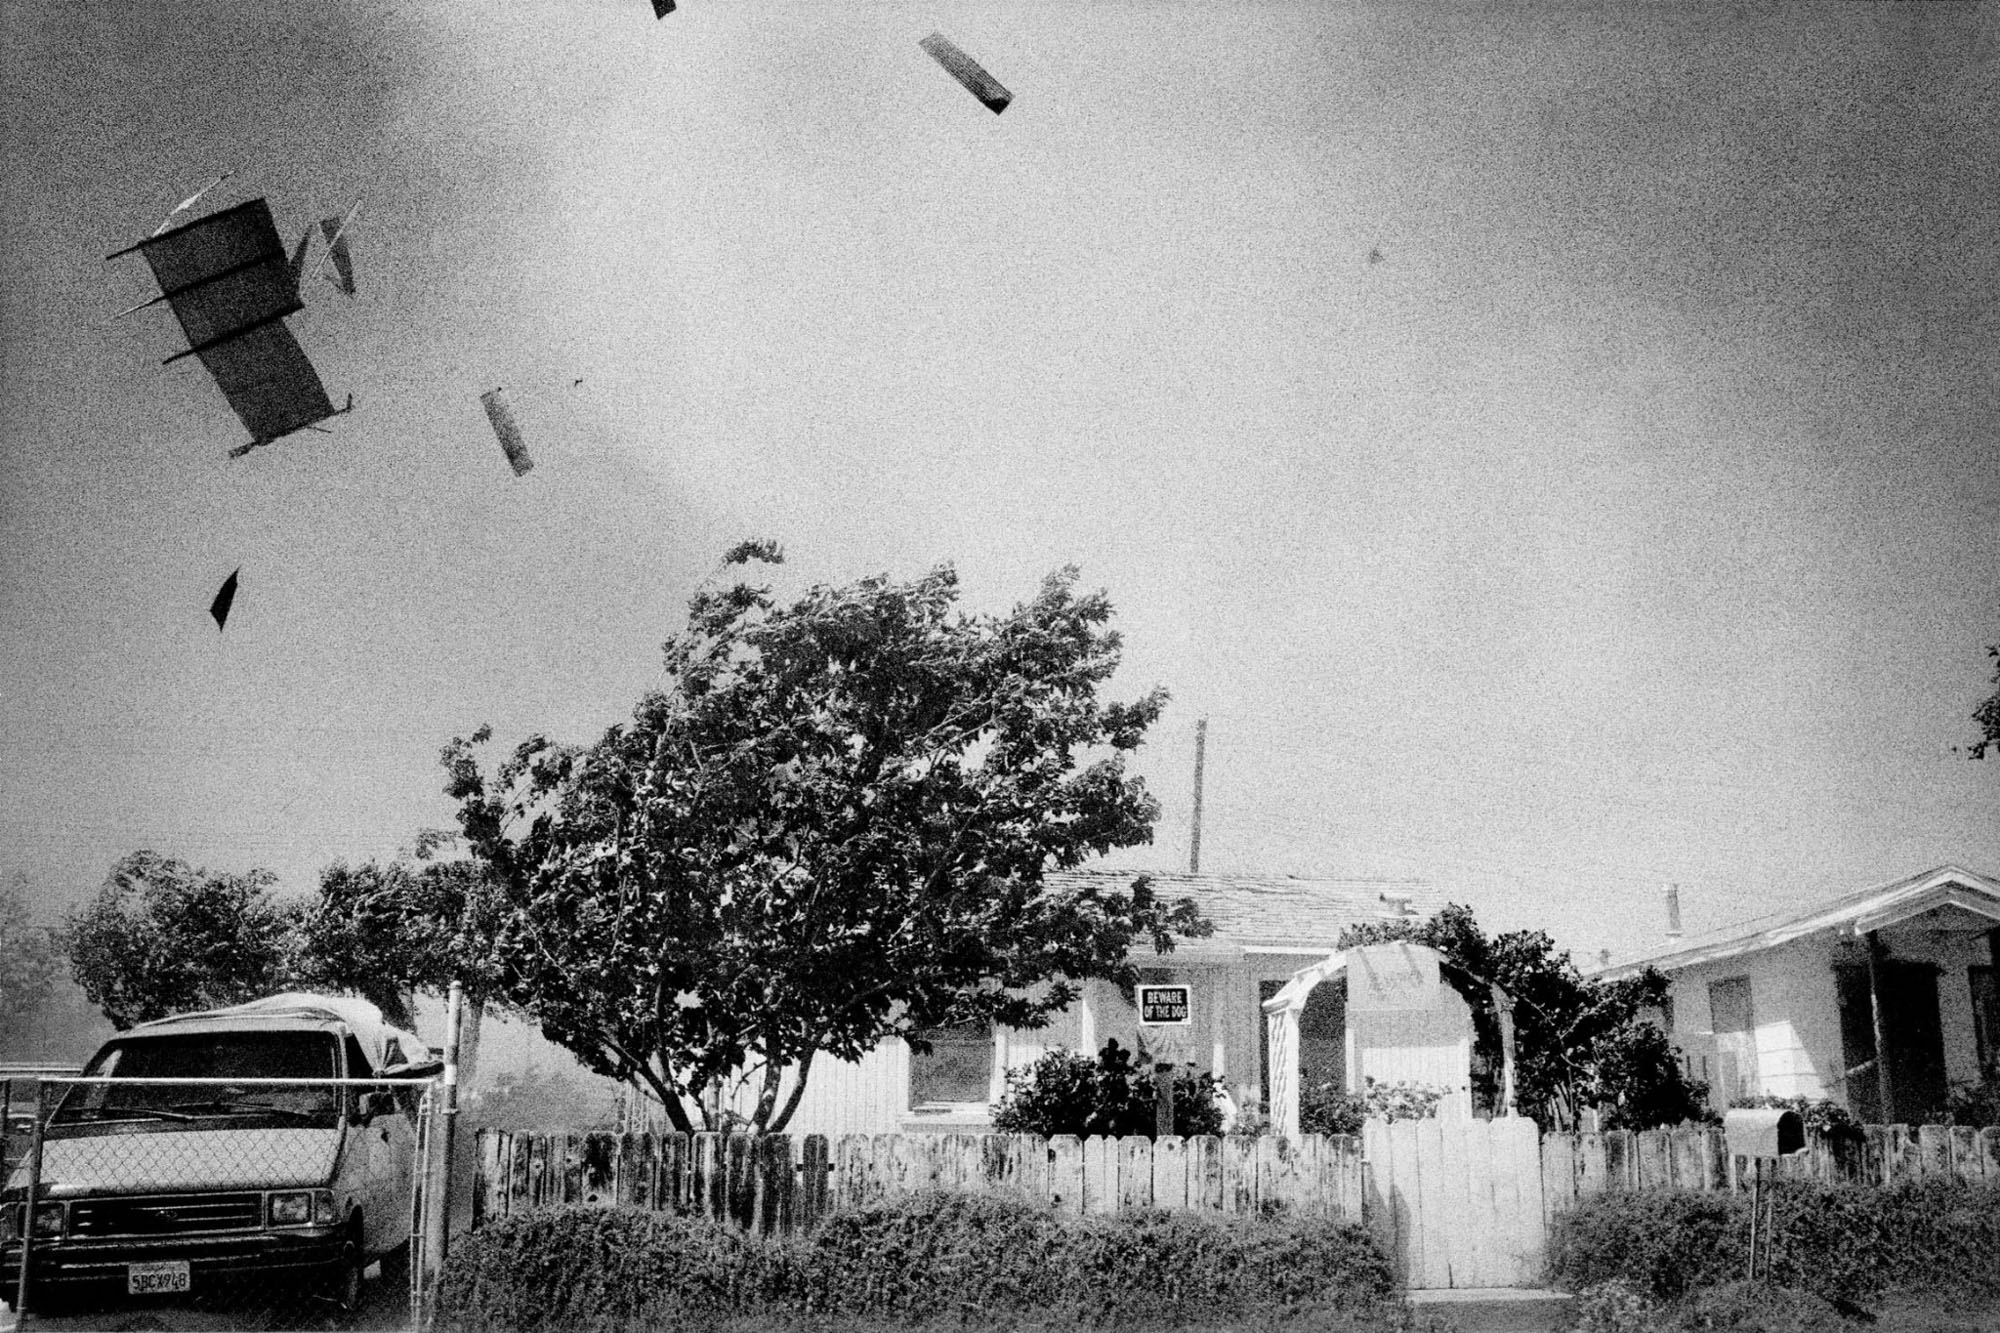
1375,256
662,8
968,72
299,258
230,284
219,608
511,443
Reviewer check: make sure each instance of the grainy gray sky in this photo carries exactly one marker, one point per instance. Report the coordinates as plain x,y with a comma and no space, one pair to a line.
1635,519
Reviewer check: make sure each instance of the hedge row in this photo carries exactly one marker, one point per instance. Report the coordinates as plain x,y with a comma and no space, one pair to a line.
1838,1242
966,1257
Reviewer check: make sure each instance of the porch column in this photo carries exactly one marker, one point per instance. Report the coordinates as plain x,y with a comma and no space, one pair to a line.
1885,1082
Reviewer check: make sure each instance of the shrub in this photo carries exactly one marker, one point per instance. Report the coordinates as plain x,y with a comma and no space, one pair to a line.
1660,1242
1976,1104
1067,1093
942,1252
932,1256
1836,1241
936,1251
577,1266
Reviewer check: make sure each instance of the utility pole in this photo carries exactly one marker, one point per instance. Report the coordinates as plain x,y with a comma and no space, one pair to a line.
1200,749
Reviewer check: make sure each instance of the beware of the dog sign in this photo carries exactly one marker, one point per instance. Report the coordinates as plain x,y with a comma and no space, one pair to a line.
1164,1006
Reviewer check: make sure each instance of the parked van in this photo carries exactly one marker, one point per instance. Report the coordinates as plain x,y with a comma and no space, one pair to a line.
216,1188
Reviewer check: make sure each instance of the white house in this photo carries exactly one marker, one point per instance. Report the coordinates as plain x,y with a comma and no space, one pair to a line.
1808,1007
1266,929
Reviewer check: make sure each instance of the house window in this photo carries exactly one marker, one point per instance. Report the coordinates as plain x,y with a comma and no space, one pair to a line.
957,1071
1735,1027
1986,1018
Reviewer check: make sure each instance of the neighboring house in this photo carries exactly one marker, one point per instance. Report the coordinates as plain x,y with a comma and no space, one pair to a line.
1266,928
1810,1007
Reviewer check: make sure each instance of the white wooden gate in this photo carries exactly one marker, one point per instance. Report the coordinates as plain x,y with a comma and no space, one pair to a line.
1459,1202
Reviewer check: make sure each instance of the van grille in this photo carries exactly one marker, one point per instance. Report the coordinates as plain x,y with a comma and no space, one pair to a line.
166,1214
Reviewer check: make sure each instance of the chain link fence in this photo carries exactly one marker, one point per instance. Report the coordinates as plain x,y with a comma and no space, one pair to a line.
286,1203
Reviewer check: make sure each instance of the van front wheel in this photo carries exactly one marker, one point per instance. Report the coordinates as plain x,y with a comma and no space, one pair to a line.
343,1289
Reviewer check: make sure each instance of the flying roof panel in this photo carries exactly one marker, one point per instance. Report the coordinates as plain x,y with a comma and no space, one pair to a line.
265,375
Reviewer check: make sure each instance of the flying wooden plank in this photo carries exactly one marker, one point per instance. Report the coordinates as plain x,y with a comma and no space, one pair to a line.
968,72
508,433
230,283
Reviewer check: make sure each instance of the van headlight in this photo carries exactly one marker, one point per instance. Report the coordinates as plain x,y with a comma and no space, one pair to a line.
49,1218
293,1209
323,1213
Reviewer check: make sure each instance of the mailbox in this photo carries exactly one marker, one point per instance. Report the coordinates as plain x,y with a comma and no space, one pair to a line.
1763,1133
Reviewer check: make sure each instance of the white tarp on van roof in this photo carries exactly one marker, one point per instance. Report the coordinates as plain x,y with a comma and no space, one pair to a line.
376,1036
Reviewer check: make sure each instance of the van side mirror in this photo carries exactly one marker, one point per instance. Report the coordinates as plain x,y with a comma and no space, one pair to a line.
376,1103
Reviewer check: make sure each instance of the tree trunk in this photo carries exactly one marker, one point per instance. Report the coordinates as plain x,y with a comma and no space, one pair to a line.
471,1020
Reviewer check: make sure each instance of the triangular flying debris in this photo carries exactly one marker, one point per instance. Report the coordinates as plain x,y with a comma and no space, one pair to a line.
968,72
509,434
219,608
335,231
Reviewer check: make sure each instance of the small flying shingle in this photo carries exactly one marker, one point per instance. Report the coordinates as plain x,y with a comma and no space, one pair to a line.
224,598
508,433
968,72
662,8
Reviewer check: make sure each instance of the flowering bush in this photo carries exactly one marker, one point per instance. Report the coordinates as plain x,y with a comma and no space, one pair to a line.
1823,1117
1067,1093
1325,1109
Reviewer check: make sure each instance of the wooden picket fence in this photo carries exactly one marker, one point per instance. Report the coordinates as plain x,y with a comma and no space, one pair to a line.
1576,1166
1455,1203
784,1184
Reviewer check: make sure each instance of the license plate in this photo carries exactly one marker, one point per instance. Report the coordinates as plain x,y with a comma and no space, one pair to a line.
148,1279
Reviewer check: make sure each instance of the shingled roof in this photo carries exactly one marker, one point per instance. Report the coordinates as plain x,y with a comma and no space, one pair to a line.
1269,912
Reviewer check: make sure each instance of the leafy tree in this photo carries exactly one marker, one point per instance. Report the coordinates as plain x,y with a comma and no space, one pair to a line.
1987,715
162,937
389,931
829,829
28,961
1577,1043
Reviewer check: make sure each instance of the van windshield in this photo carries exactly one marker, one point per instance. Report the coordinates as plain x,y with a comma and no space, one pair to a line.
210,1056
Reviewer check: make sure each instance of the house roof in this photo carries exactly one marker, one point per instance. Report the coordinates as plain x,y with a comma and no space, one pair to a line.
1949,888
1270,913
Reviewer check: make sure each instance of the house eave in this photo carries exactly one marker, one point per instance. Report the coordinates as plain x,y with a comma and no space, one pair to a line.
1856,915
